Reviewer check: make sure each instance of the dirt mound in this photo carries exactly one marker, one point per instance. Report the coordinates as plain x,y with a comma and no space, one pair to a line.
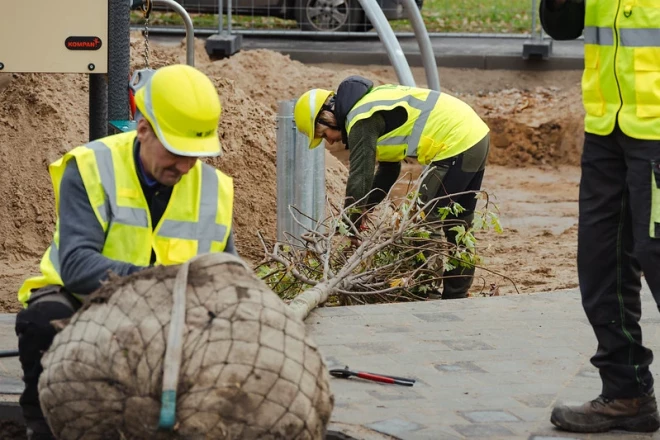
43,116
533,127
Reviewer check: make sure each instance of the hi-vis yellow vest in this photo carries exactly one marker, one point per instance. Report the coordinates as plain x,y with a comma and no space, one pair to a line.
197,219
622,67
438,126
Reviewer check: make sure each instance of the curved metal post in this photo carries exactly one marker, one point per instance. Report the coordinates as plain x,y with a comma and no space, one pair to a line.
190,32
422,35
382,26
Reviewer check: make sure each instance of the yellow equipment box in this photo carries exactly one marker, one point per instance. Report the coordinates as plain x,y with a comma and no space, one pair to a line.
61,36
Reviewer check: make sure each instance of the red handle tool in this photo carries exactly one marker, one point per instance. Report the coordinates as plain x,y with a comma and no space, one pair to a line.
345,373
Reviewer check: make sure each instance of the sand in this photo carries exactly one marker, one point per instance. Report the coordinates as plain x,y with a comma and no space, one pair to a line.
535,117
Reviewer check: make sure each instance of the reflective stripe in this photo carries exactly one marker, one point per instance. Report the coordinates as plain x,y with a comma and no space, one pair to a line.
420,123
640,37
120,214
425,107
602,36
411,100
55,257
206,229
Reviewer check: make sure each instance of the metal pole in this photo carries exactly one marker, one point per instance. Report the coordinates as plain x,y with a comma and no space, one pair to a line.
533,35
303,188
98,106
229,6
318,190
286,133
425,47
394,52
219,17
119,55
190,32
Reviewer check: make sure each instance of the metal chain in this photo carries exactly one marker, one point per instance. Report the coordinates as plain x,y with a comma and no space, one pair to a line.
146,42
147,10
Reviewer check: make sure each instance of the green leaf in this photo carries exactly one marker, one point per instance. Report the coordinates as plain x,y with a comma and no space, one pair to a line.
443,212
457,209
494,221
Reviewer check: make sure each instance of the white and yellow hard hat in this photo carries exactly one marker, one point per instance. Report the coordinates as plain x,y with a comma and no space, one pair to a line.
183,107
307,109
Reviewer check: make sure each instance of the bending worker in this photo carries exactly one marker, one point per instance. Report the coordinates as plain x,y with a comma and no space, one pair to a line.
385,124
124,203
619,203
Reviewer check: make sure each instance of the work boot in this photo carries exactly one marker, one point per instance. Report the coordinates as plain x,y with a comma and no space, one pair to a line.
639,414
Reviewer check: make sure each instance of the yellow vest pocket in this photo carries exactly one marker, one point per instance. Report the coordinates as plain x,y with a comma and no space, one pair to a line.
647,81
592,96
180,250
654,224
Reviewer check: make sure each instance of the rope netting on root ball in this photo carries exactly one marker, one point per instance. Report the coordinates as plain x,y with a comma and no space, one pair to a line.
240,367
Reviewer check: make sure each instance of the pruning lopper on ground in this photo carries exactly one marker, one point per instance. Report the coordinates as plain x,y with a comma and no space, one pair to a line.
345,373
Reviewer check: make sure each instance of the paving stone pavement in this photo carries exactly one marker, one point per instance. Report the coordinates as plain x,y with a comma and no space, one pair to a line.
485,368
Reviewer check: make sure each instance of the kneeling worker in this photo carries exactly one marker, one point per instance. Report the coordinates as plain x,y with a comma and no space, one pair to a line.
124,203
388,123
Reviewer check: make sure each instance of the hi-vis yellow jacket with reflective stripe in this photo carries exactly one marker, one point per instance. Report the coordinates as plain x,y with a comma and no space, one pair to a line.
197,219
438,126
622,67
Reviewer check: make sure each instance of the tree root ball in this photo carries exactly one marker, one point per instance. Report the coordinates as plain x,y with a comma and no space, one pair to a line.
248,370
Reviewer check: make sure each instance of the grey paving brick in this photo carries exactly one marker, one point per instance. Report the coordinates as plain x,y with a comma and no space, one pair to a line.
467,344
536,400
383,309
432,433
543,437
435,353
482,431
489,416
401,393
333,311
394,329
363,348
459,367
394,427
532,415
437,317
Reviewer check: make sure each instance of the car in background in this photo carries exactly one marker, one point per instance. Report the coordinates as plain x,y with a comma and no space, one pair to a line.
311,15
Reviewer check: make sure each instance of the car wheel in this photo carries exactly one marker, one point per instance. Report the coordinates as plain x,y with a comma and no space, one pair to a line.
331,15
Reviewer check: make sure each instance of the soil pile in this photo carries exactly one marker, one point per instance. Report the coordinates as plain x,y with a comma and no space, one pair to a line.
43,116
533,127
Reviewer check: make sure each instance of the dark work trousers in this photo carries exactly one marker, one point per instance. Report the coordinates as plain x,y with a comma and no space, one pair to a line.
456,174
617,240
35,335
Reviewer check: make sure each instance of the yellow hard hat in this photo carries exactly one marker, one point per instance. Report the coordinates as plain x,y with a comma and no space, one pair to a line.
307,108
183,107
